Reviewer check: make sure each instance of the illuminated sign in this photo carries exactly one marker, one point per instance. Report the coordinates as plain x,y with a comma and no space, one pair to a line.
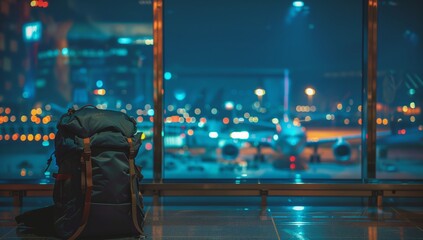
32,31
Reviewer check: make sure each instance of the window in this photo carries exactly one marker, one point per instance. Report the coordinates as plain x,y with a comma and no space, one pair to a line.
268,90
71,54
400,90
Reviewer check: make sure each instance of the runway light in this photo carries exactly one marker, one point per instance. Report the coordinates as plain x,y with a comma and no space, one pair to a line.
259,92
413,105
100,91
23,172
310,91
99,83
298,4
240,135
124,40
411,91
229,105
404,108
213,134
412,119
190,132
298,208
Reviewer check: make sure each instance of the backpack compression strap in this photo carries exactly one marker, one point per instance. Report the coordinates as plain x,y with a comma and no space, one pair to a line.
132,179
86,184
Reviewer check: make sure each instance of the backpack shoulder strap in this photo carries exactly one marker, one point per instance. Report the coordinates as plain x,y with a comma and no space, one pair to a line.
86,184
132,181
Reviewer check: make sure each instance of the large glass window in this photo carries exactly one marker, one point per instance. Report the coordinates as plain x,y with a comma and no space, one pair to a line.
400,90
262,89
61,54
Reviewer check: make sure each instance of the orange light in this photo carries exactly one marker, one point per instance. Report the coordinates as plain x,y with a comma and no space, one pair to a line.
51,136
30,137
190,132
15,137
23,137
24,118
140,119
23,172
37,137
175,118
1,137
7,137
45,138
203,120
100,91
225,120
46,119
7,111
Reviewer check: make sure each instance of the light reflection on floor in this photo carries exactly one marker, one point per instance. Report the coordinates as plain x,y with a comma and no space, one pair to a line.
243,218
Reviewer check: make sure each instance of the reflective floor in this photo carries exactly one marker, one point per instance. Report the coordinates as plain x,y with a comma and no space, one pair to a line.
243,218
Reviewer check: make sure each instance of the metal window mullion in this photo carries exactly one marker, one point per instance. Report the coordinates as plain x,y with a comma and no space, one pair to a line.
369,78
158,90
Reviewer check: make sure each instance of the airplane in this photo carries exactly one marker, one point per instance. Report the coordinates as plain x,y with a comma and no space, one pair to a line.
288,140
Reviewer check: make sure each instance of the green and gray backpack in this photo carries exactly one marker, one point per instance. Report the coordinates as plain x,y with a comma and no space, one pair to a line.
96,191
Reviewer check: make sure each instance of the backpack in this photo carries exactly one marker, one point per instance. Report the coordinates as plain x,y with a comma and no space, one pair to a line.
96,190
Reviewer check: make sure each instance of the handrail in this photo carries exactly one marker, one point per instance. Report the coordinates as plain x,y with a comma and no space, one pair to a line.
372,190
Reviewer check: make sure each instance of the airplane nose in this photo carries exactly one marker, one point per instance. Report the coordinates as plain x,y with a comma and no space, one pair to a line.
293,141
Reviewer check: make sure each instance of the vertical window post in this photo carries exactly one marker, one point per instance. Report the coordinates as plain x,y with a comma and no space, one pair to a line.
369,78
158,91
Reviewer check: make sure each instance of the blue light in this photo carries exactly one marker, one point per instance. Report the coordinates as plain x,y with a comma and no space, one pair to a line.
150,112
65,51
46,143
167,76
180,94
298,4
99,83
32,31
124,40
412,91
25,94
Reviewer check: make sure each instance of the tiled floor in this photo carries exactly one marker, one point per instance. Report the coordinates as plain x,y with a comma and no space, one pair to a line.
243,218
